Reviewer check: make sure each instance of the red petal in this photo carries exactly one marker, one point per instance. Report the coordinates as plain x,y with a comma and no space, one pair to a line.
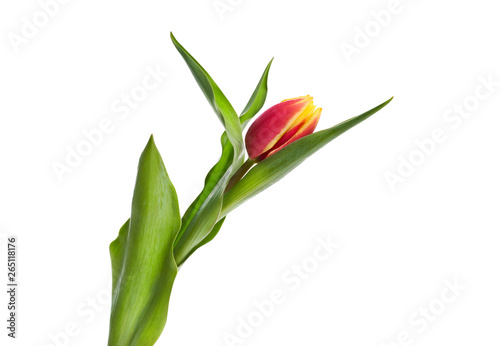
271,125
306,127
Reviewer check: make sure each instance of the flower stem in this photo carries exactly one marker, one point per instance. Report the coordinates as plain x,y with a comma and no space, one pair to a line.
245,167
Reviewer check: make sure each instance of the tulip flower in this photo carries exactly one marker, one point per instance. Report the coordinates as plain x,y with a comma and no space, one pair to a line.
281,125
153,244
276,128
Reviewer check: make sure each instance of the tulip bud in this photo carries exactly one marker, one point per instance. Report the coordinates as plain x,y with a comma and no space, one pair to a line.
281,125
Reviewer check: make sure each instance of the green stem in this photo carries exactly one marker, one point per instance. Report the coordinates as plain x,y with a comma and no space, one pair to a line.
240,173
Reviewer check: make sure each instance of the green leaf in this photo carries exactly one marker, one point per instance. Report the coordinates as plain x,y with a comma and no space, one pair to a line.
117,251
275,167
202,218
257,99
142,258
215,230
199,220
217,100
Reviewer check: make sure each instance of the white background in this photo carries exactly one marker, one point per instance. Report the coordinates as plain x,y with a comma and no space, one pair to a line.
397,248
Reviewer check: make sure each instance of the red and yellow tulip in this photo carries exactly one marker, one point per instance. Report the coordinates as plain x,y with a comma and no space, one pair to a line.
281,125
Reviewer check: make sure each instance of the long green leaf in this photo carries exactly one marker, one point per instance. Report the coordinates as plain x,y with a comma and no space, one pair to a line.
117,251
196,227
257,99
206,215
215,230
275,167
142,258
216,98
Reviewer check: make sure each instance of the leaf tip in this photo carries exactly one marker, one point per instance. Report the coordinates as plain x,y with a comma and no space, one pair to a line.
385,103
151,145
268,67
172,37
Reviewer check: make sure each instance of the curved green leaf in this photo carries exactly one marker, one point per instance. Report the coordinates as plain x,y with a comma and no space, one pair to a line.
215,230
257,99
216,98
275,167
117,251
199,219
144,268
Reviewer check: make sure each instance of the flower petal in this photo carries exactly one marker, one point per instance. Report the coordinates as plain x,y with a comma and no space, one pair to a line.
271,125
304,128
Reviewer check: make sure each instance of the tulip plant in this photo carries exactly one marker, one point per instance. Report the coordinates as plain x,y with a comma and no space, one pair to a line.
156,240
